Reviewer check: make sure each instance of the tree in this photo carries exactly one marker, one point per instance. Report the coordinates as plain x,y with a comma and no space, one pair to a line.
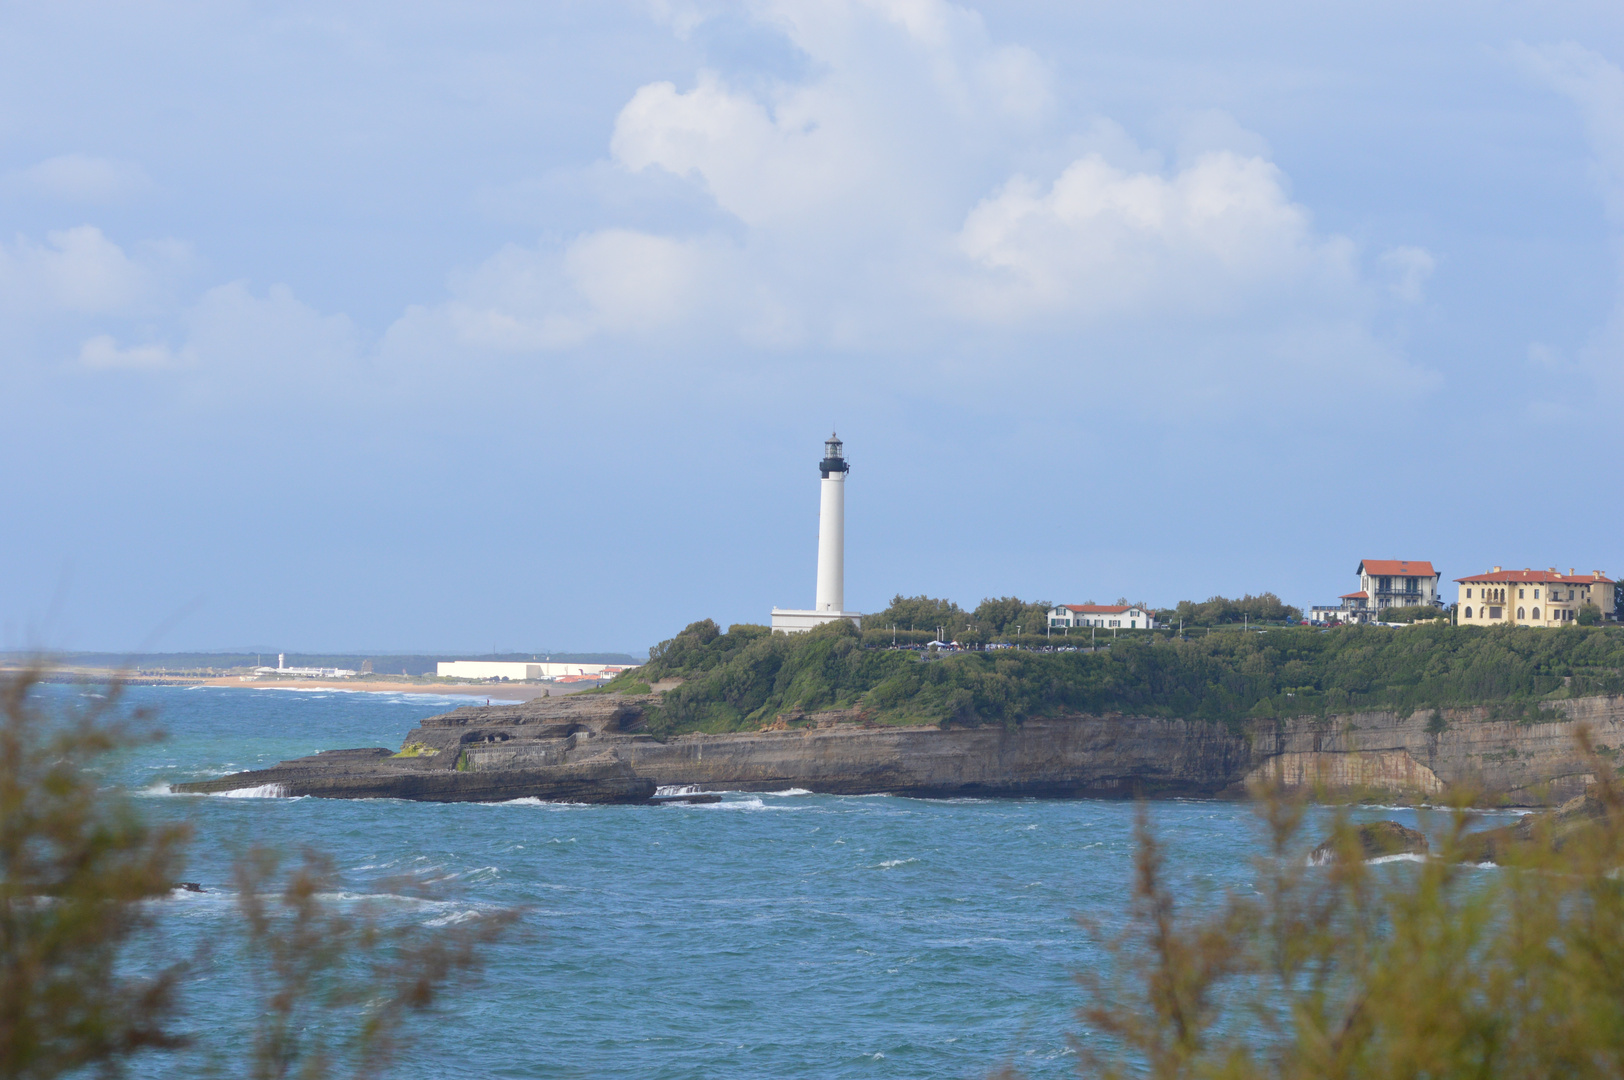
1589,615
78,866
920,613
1220,610
82,875
1362,972
999,616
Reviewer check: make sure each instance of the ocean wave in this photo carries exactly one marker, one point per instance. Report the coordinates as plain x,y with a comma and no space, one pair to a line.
1328,857
750,803
261,791
531,800
889,863
454,918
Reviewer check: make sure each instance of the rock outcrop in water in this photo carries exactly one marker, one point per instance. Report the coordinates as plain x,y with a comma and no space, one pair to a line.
590,749
1375,840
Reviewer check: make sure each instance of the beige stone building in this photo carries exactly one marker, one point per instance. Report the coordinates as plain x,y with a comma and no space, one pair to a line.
1532,597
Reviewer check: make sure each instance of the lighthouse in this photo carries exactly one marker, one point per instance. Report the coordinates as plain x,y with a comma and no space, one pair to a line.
830,598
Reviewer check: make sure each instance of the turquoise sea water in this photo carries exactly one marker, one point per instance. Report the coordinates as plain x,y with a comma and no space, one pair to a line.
771,935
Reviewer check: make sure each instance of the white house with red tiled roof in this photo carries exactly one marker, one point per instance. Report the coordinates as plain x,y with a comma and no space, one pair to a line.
1533,597
1398,583
1111,616
1383,583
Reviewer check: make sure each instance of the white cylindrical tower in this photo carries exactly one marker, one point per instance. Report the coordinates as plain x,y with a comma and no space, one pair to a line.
832,528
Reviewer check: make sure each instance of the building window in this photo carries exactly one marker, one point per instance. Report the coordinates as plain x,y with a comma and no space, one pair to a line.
1519,594
1536,613
1494,613
1536,597
1468,613
1468,594
1520,610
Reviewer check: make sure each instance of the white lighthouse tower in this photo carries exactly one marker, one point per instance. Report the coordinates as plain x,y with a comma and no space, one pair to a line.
830,603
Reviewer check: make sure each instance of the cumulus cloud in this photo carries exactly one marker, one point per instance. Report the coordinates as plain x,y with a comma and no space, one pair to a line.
76,270
1099,239
889,198
80,178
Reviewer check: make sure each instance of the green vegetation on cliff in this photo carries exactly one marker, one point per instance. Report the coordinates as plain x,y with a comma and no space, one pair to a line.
748,677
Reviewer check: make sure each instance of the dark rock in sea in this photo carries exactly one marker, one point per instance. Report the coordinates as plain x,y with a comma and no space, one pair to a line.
1554,828
661,800
1374,839
188,886
377,774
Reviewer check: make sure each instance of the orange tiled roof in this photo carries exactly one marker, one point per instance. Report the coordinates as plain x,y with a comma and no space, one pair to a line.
1360,595
1396,568
1537,577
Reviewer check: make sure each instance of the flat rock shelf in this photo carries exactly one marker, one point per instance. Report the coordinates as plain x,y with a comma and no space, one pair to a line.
592,749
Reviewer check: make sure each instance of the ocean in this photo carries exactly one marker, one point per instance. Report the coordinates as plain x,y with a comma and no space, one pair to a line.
778,935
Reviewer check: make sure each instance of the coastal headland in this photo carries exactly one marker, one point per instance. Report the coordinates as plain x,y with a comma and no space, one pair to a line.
1413,714
594,749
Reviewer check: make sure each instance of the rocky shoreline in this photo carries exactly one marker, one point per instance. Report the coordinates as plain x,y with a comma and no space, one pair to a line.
593,749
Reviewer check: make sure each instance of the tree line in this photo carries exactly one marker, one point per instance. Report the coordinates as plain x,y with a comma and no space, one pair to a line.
748,676
1008,618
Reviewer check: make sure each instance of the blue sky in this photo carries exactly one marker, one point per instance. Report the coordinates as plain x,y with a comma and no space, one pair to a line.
489,325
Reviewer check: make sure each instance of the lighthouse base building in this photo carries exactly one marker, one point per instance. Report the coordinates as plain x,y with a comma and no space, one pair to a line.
831,594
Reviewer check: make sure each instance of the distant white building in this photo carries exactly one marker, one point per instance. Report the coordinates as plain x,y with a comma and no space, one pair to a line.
1109,616
281,668
522,671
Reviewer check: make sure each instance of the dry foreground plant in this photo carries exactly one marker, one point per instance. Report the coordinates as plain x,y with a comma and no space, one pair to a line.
1436,968
83,883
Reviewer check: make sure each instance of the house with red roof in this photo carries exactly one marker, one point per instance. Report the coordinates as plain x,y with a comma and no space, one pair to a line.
1383,584
1105,616
1530,597
1398,583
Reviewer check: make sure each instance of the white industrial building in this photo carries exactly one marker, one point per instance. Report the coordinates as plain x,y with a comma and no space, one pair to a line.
830,603
282,669
521,670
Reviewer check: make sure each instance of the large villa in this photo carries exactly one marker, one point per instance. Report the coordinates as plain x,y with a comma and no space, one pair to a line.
1532,597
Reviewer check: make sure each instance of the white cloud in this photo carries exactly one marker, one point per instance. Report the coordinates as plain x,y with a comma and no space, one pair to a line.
268,342
102,352
76,270
906,195
1100,240
276,336
81,178
1408,269
1597,88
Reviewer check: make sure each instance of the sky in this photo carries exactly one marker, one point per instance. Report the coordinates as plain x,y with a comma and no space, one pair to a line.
509,326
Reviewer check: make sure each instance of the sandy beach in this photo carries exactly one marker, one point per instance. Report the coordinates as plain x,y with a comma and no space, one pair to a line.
504,691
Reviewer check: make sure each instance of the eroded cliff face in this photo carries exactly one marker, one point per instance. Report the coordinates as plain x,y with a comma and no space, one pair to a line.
1517,763
484,752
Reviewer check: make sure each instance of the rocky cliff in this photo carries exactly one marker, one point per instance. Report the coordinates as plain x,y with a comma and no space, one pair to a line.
591,749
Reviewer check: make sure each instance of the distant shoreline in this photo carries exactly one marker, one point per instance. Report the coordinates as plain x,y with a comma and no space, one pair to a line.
508,691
